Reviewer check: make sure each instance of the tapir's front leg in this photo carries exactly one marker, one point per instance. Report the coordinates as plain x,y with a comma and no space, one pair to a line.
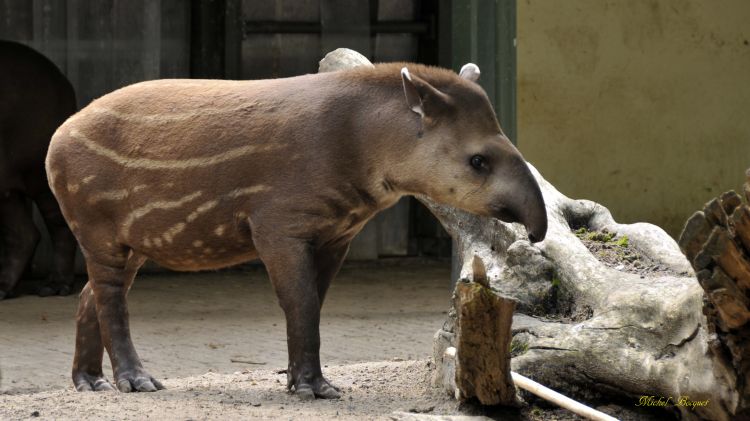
291,267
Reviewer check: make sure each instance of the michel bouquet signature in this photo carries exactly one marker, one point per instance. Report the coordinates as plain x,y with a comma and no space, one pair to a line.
665,401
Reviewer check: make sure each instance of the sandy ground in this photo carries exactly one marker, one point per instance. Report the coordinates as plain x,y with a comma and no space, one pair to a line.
217,340
192,323
371,390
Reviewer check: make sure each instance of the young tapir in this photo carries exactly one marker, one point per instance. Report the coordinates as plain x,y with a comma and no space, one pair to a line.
35,98
204,174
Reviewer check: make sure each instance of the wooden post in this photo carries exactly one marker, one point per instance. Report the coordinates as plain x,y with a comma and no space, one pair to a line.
483,334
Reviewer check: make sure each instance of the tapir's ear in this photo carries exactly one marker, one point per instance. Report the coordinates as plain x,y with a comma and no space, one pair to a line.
412,95
470,71
421,97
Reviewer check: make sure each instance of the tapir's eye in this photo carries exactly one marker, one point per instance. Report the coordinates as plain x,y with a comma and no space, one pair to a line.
478,162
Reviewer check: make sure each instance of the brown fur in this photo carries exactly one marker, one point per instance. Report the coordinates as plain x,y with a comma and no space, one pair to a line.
202,174
35,98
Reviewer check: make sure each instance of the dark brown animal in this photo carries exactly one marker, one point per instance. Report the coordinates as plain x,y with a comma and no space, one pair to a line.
203,174
35,98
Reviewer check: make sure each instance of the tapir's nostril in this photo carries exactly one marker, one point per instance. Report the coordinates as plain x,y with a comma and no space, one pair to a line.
533,238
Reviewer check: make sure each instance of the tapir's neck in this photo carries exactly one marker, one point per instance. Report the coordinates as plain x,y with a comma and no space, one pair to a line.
383,132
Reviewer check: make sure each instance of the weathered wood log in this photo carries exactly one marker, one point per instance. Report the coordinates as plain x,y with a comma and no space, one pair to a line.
723,264
597,331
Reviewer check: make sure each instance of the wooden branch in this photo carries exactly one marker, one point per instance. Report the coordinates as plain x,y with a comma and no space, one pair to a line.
558,399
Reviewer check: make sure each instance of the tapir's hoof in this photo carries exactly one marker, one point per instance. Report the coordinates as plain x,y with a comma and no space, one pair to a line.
140,383
305,393
327,391
320,389
88,383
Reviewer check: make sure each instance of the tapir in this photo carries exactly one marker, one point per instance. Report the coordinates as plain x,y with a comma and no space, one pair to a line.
204,174
35,98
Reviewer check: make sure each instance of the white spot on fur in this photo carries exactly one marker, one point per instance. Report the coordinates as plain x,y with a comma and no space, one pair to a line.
203,208
120,194
157,242
207,206
175,116
146,243
108,195
219,231
197,243
88,179
173,230
247,191
179,164
160,205
73,188
207,250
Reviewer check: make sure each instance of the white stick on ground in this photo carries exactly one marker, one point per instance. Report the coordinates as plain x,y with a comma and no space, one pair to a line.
558,399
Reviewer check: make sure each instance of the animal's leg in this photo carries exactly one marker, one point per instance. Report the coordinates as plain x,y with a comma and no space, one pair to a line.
291,267
18,239
328,262
87,363
61,278
110,283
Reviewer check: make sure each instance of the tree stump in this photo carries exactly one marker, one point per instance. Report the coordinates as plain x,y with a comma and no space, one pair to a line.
716,240
482,342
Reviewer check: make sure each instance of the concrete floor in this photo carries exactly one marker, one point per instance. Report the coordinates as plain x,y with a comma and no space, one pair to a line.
190,324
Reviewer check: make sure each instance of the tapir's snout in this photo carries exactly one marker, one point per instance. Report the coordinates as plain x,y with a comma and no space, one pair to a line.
532,216
538,231
524,204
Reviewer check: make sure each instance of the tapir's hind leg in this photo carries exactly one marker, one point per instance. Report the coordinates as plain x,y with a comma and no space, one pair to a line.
87,363
18,239
110,284
60,280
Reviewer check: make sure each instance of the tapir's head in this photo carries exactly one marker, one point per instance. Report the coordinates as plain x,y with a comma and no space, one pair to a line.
468,162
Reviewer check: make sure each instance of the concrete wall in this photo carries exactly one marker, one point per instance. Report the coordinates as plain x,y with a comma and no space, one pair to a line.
641,105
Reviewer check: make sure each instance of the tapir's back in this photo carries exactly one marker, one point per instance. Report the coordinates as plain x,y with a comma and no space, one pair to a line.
177,119
175,150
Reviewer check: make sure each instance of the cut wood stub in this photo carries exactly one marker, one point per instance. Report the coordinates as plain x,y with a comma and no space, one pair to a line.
482,341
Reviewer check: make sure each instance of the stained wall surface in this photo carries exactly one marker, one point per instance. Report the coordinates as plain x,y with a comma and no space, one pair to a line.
643,106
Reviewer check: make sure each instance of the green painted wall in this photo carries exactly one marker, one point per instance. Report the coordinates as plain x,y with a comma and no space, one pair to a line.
643,106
